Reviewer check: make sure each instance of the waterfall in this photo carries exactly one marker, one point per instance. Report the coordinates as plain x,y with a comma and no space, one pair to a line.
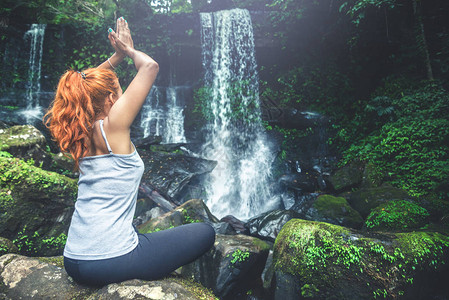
239,185
33,86
163,113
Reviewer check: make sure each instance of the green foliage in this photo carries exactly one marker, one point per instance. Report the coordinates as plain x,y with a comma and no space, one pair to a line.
322,88
32,243
411,145
357,9
397,215
188,218
239,256
60,11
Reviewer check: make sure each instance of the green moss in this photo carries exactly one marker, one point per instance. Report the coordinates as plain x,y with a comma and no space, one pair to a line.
23,178
397,215
53,260
423,247
261,245
6,201
199,291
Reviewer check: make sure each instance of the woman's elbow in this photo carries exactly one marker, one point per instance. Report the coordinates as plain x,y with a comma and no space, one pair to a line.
152,66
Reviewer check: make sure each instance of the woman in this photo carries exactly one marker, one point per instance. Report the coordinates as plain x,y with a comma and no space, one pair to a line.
90,118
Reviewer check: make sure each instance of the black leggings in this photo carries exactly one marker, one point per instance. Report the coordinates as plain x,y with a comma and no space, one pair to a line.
157,255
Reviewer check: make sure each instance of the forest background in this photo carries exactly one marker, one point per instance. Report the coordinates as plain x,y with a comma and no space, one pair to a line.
379,69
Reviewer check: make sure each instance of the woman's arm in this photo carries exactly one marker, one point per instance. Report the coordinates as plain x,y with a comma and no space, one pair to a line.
126,108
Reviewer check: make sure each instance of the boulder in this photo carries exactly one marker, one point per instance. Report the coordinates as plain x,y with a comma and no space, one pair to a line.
268,225
233,265
324,261
334,210
173,174
35,207
347,177
365,199
398,215
25,142
190,212
23,277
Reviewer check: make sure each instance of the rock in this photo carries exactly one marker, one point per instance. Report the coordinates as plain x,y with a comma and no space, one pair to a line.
399,215
23,277
268,225
25,142
235,223
304,181
172,174
334,210
6,246
35,207
223,228
436,208
233,265
371,176
145,143
347,177
324,261
365,199
192,211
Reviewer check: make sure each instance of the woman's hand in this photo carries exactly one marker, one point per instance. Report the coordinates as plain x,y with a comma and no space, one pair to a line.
121,40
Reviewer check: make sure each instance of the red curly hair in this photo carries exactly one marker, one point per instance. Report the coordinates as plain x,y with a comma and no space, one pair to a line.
79,99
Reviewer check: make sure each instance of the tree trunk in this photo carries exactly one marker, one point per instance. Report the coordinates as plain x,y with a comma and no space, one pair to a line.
421,39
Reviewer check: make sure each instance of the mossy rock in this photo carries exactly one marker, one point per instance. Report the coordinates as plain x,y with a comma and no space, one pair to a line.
19,138
334,210
35,206
399,215
347,177
324,261
365,199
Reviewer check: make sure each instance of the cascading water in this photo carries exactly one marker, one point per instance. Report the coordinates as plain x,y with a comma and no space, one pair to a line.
162,114
239,185
36,36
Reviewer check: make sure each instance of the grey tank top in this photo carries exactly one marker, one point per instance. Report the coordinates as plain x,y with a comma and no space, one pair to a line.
101,225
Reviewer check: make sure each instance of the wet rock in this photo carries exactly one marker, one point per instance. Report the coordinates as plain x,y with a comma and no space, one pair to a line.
347,177
233,265
190,212
23,277
223,228
325,261
35,204
172,174
334,210
235,223
365,199
268,225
